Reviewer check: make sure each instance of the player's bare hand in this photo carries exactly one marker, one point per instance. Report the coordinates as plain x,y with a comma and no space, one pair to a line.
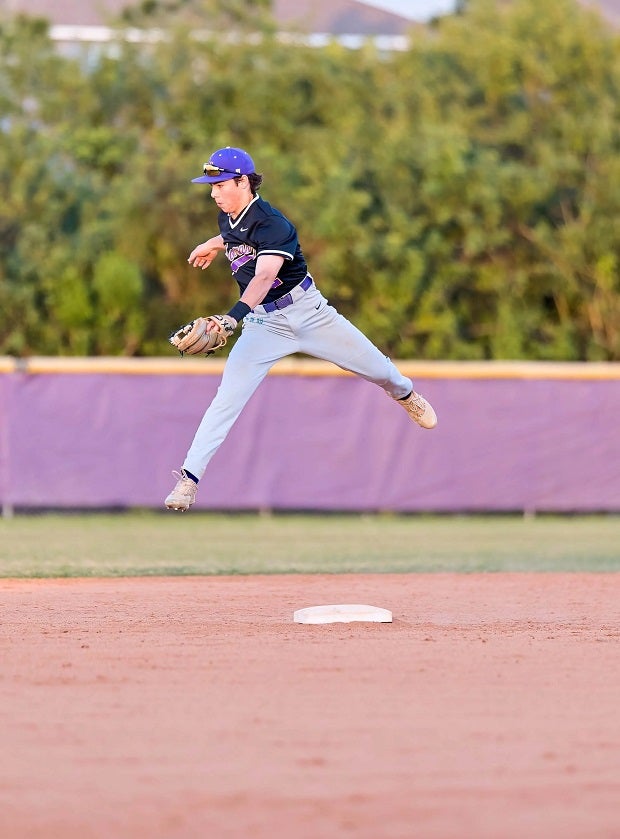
203,255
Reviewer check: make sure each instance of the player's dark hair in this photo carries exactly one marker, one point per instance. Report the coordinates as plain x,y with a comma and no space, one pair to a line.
255,182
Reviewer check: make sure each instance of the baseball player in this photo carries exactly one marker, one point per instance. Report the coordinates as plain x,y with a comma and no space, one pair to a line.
282,310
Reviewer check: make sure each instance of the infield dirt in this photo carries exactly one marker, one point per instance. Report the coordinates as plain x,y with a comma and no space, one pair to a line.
195,707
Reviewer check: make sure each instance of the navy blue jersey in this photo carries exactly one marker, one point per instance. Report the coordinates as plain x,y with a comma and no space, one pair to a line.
261,229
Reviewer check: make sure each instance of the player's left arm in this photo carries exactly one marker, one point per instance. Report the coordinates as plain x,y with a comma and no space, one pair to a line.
267,267
275,241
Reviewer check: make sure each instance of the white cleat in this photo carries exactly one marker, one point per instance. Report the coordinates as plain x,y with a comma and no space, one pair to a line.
419,410
184,493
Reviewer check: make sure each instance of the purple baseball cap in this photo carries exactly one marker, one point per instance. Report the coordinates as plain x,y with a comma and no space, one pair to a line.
225,164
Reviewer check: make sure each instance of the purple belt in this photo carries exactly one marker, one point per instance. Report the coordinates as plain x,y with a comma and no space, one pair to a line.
286,299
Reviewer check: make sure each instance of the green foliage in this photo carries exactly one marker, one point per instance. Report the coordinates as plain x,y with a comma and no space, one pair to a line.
456,200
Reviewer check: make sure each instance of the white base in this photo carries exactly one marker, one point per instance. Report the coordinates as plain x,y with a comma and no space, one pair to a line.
343,613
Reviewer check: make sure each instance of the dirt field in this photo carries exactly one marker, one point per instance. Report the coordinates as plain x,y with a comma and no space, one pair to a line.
195,707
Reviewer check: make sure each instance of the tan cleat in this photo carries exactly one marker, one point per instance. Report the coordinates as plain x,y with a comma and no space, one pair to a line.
184,493
419,410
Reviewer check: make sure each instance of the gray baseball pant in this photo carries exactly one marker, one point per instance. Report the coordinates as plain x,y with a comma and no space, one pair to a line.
310,326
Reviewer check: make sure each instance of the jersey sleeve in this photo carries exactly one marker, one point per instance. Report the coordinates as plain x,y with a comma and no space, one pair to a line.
276,235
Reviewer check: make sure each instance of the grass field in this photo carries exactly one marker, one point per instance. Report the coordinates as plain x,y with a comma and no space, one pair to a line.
148,543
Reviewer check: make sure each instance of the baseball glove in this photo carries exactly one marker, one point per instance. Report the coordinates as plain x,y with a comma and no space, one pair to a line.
194,338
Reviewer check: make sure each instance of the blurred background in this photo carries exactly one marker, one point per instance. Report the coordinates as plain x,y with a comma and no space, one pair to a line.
454,175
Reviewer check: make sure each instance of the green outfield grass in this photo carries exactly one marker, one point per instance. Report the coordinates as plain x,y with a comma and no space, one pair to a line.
146,543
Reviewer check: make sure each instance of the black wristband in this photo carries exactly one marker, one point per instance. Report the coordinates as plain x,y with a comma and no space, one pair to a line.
239,311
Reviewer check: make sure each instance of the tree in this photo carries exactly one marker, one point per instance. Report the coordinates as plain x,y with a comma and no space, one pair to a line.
457,200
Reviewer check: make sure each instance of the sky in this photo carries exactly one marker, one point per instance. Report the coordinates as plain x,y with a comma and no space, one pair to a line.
419,10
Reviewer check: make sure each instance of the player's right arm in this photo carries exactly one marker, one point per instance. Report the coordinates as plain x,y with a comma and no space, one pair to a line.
203,255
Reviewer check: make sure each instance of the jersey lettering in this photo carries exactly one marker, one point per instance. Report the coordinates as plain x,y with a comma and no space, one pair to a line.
239,255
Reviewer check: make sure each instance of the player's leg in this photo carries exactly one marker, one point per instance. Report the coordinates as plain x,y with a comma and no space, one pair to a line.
326,334
256,351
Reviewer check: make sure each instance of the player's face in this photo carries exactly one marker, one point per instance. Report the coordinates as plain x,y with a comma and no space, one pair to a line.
232,196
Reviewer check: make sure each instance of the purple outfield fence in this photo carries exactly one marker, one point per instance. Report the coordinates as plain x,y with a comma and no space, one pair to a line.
106,433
